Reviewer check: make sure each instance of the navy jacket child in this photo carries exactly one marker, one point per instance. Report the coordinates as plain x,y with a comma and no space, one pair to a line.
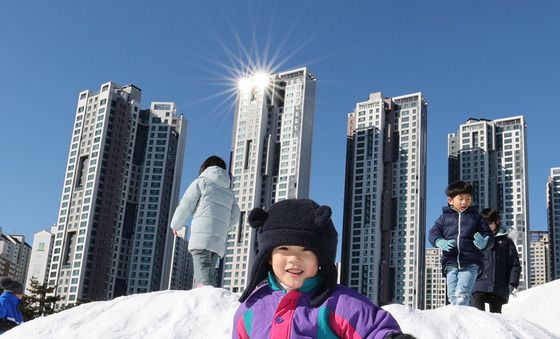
10,316
460,227
501,268
461,233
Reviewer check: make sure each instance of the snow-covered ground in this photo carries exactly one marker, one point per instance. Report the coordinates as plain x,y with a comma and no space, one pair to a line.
540,305
207,313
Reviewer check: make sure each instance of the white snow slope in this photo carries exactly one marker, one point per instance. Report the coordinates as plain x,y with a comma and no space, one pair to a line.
207,313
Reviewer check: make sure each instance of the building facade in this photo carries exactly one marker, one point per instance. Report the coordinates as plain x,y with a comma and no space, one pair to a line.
157,165
41,253
270,155
540,258
181,274
14,256
117,195
553,219
436,285
492,156
383,236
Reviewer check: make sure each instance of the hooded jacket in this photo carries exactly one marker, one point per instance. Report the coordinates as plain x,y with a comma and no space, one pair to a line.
270,312
461,227
212,205
9,308
501,266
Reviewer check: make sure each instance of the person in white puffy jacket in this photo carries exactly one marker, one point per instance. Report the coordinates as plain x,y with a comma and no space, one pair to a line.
210,201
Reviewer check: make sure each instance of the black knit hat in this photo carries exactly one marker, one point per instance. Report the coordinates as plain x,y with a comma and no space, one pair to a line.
297,222
11,285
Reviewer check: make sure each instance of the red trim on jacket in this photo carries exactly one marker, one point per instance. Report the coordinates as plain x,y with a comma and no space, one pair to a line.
282,320
342,327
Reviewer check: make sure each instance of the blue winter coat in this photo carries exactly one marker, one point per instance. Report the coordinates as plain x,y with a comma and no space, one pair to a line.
501,266
461,227
8,307
212,205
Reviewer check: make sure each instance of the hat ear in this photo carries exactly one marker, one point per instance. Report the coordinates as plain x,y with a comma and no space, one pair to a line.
322,215
257,217
259,271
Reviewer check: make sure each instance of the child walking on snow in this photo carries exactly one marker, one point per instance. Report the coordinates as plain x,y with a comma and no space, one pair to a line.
211,202
461,233
292,292
501,268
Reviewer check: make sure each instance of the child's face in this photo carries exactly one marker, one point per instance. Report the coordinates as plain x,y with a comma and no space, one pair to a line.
293,264
494,225
460,202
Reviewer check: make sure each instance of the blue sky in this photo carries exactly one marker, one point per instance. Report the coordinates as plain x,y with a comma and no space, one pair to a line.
487,59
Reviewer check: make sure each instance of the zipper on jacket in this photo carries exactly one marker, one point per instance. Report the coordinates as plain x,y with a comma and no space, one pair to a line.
458,237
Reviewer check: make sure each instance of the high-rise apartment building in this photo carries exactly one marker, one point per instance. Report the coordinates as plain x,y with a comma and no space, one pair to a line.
157,165
436,285
540,258
14,256
270,155
553,219
383,236
492,156
41,253
121,184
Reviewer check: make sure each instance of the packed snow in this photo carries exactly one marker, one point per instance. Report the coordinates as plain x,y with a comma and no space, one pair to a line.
208,312
540,305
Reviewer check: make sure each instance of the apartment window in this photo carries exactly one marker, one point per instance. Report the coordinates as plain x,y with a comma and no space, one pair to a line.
247,153
70,242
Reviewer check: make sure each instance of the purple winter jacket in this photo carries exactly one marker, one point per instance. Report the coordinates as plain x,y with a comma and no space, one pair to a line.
272,313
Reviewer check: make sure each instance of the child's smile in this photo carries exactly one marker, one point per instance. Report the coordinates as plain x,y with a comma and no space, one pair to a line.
295,272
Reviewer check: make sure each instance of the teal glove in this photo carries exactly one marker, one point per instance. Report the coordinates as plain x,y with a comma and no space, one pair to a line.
479,241
445,245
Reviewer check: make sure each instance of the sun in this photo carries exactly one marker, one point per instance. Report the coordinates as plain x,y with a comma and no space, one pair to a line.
259,79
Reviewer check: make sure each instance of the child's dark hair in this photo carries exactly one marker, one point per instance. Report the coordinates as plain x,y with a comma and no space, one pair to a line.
212,161
490,215
459,187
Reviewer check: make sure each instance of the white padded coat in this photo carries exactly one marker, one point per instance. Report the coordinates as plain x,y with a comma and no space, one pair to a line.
211,203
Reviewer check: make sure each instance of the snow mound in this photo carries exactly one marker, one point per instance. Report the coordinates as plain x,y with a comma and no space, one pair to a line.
540,305
208,312
463,322
201,313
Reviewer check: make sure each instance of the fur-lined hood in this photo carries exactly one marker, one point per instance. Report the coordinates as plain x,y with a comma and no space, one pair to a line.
510,232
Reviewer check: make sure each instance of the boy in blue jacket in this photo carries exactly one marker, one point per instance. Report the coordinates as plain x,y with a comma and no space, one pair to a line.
10,316
461,233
